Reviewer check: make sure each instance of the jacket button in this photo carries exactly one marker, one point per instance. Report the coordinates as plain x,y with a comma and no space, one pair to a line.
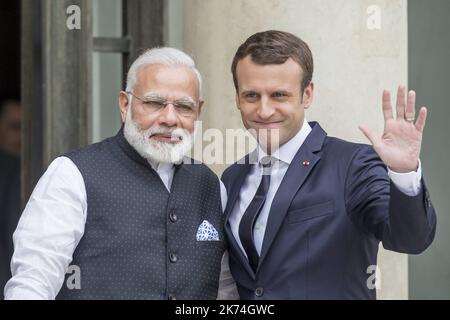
172,216
173,257
172,297
259,292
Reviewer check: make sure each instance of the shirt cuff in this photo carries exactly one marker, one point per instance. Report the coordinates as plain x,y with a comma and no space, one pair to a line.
409,182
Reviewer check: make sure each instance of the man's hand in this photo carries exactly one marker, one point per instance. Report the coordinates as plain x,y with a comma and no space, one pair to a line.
399,146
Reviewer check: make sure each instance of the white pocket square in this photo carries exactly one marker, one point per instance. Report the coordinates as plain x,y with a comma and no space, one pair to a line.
206,232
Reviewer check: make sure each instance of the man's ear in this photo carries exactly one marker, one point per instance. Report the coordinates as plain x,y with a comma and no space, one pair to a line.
123,104
200,107
237,100
308,95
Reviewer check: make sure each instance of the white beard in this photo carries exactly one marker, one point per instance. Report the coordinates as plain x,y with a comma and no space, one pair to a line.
157,151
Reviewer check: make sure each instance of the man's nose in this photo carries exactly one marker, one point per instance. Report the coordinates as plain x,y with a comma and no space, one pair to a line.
168,116
265,109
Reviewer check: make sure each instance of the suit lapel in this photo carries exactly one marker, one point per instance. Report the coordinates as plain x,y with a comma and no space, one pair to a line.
235,188
239,254
299,169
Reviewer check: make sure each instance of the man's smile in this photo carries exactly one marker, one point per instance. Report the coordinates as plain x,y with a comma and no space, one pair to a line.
166,137
267,124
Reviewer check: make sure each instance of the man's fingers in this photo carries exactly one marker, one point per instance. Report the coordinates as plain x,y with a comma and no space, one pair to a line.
369,134
420,123
410,111
387,107
401,104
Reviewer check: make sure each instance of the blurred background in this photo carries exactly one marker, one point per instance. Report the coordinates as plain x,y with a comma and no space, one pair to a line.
62,64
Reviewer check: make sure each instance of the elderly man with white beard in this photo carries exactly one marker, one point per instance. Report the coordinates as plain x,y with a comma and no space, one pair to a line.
130,217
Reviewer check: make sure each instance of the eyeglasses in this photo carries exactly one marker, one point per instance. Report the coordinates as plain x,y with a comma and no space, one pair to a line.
155,105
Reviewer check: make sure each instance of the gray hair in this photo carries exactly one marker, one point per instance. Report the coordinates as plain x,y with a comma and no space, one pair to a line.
166,56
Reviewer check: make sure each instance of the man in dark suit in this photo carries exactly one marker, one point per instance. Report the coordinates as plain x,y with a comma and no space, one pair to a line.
306,212
10,118
9,211
10,124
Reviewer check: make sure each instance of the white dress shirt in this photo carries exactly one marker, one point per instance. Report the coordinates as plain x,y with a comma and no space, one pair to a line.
52,225
408,183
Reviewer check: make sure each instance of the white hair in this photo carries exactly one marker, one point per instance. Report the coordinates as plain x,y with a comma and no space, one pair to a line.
166,56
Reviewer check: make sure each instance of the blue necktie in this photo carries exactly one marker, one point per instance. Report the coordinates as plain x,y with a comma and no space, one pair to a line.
251,214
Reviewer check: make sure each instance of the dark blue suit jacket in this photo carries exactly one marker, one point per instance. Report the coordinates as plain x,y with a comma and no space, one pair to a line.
326,221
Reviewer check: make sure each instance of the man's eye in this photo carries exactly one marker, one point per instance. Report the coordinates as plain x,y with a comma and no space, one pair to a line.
279,95
154,103
184,107
250,96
